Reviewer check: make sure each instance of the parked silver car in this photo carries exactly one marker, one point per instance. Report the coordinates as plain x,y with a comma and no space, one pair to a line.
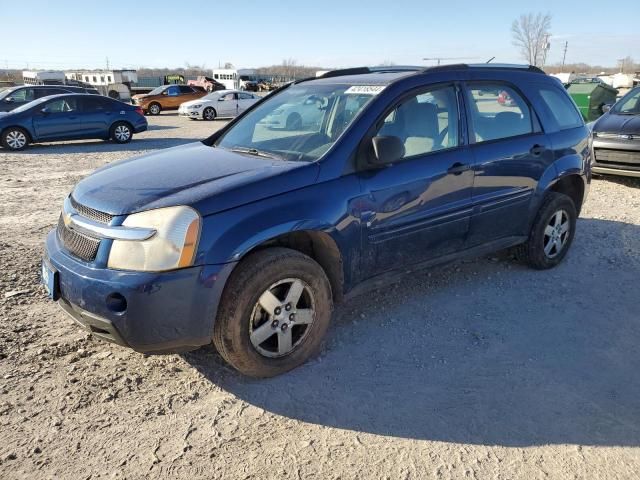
221,103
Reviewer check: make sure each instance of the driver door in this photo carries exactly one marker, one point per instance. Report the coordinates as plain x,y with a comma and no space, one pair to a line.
59,119
228,105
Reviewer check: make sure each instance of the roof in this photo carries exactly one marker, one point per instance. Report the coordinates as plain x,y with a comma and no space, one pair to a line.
388,74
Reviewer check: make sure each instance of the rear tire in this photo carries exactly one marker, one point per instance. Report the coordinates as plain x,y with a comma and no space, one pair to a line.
121,132
154,109
551,234
15,139
284,292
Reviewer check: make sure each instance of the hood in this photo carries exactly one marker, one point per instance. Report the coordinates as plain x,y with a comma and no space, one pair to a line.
209,179
616,123
198,101
140,96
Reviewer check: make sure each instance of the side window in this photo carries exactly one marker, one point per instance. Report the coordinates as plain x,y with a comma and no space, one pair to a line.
23,95
228,97
185,89
173,91
245,96
497,111
95,104
425,123
62,105
562,108
45,92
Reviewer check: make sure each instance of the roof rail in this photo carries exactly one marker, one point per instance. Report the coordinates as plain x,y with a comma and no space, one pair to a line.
503,66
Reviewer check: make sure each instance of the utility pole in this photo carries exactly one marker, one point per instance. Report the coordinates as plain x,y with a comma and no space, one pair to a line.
564,54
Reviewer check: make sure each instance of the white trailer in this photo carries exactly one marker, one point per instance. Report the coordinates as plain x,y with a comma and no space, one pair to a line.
227,76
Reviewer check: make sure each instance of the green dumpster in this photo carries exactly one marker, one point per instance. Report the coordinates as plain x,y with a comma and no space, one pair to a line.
590,96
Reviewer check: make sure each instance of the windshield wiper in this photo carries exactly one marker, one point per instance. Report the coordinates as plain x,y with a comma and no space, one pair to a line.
255,152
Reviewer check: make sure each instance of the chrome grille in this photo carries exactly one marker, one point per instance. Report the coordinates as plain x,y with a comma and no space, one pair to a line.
79,245
91,213
621,157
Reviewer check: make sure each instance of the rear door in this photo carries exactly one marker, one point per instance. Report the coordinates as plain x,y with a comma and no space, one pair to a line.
245,100
510,154
97,115
419,208
59,119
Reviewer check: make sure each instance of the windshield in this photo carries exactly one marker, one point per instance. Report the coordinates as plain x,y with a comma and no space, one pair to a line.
300,123
629,104
211,96
157,90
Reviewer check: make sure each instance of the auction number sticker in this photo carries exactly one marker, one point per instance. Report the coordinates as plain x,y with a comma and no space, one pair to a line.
365,89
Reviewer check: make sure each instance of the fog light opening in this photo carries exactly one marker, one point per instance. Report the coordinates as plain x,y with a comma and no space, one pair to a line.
116,302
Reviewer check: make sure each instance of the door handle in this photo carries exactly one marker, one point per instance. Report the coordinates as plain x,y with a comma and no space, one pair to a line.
537,149
457,168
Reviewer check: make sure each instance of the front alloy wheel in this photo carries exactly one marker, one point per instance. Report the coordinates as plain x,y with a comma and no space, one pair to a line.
282,317
15,139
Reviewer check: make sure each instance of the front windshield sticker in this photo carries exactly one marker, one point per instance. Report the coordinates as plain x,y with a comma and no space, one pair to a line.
364,89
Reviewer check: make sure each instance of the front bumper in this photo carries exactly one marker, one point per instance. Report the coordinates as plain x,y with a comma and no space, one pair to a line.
190,112
165,312
616,156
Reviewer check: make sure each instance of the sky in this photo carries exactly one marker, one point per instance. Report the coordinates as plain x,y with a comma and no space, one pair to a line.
326,33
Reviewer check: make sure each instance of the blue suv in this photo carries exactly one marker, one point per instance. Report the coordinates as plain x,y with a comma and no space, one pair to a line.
248,238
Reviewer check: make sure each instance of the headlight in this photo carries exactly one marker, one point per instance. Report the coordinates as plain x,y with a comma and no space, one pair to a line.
195,106
173,245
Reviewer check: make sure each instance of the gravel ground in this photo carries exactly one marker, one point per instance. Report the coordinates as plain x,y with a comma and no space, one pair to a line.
482,369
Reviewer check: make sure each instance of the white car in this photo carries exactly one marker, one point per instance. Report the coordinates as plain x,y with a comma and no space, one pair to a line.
297,116
222,103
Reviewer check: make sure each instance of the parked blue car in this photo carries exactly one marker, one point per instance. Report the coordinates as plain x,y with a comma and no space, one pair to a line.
70,117
248,238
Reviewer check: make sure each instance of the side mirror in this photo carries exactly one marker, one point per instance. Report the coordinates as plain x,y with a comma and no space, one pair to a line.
9,100
606,107
45,111
387,150
221,99
165,93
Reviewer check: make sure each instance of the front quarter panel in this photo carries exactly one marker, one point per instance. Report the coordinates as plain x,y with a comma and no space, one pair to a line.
326,207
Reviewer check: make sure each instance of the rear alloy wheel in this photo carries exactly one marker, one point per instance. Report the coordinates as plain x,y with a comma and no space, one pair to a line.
274,313
15,138
551,234
154,109
121,132
209,114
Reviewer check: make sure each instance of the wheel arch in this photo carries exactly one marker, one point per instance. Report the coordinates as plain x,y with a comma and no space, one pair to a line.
21,127
318,245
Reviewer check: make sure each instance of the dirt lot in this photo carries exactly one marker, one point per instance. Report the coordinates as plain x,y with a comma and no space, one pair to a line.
482,369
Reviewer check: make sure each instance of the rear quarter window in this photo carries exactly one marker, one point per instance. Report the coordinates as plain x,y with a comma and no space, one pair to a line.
563,110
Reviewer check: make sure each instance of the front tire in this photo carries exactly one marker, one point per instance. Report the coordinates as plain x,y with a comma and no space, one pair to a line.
551,234
274,313
154,109
15,138
209,114
121,132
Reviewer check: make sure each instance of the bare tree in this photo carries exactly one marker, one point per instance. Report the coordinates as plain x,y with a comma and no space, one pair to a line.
530,34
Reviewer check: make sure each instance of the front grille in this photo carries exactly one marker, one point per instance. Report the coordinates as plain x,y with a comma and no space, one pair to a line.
619,157
79,245
91,213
